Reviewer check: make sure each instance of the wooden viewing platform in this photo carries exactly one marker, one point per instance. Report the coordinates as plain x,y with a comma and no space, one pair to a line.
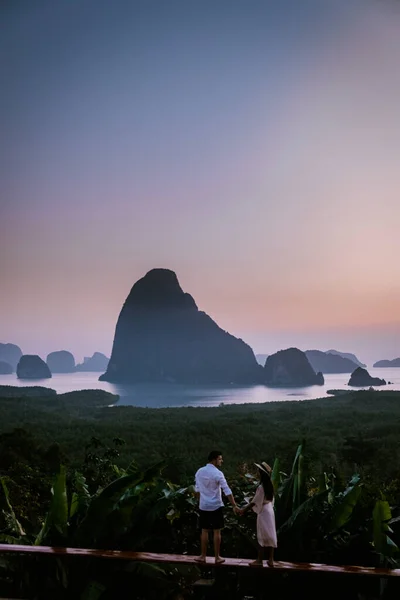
190,560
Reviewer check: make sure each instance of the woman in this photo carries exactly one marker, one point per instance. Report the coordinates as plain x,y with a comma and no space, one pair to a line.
263,505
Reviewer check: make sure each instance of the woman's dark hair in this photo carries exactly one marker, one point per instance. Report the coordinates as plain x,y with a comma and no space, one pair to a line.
214,455
267,485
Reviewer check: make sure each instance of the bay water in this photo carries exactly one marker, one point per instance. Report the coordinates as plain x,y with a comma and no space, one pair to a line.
174,395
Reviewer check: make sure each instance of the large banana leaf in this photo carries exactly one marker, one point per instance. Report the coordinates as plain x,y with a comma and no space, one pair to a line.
136,512
381,515
141,510
292,490
81,498
9,539
301,478
57,515
276,476
9,513
59,503
302,513
107,501
346,503
299,452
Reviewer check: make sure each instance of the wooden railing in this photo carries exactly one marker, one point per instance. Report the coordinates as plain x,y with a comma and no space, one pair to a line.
190,560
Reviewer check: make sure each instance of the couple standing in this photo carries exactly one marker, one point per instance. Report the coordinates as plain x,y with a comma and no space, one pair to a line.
209,483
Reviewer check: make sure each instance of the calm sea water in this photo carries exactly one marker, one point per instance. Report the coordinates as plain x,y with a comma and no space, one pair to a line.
161,396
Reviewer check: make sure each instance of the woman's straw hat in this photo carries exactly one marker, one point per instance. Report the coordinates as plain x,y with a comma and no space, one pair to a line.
264,467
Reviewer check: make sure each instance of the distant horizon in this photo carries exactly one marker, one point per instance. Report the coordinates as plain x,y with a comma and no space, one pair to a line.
382,344
252,147
369,358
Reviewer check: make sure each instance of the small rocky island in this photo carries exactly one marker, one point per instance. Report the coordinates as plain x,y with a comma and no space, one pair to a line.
31,366
61,361
162,336
361,378
291,368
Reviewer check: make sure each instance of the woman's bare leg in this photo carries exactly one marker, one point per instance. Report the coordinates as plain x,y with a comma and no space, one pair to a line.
260,557
270,556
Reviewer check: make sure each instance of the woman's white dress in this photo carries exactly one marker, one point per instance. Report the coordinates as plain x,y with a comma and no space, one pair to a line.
266,530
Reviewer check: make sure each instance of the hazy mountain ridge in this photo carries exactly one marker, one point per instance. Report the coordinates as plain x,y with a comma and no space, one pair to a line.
329,363
385,364
348,355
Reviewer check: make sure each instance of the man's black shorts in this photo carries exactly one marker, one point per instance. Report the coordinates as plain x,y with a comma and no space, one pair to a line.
212,519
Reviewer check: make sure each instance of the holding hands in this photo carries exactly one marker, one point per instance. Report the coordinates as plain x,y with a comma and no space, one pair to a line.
238,511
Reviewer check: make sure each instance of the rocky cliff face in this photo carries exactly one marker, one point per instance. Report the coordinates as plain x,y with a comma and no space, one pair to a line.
162,336
361,378
290,368
31,366
61,361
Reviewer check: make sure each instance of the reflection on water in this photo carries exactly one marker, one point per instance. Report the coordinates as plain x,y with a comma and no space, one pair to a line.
171,395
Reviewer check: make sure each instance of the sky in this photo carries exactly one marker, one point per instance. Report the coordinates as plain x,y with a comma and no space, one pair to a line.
251,146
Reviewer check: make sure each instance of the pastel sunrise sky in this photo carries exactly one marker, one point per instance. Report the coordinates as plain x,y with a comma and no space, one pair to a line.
252,146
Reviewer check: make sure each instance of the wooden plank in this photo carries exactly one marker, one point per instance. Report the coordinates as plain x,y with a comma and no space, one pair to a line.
190,560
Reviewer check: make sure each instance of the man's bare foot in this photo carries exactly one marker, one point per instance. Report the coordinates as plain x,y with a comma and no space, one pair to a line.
270,562
200,559
256,563
219,560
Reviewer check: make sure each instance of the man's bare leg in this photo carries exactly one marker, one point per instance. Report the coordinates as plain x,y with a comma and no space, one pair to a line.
217,546
203,546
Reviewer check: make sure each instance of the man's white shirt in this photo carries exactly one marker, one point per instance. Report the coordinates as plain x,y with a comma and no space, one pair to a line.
209,482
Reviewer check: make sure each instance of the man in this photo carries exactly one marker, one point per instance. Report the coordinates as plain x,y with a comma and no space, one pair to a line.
209,483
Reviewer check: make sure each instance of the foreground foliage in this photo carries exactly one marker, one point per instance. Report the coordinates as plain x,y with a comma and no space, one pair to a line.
319,518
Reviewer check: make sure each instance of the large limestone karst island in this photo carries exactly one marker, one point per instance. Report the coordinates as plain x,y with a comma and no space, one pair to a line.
291,368
61,361
31,366
161,336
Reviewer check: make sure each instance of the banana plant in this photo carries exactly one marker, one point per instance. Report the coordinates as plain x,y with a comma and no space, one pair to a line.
14,531
80,498
344,504
55,526
110,512
292,491
387,549
276,475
